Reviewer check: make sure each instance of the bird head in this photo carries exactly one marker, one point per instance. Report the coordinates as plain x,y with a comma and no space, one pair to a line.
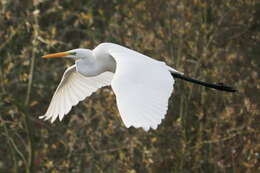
79,53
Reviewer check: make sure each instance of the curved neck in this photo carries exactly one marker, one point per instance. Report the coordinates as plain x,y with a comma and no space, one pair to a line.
89,66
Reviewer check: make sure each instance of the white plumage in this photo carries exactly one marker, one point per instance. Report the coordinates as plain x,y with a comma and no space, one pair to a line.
72,89
142,85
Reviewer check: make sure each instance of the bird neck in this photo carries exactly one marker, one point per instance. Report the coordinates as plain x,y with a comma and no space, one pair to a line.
88,67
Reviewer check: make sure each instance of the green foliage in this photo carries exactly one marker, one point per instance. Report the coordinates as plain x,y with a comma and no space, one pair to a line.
204,130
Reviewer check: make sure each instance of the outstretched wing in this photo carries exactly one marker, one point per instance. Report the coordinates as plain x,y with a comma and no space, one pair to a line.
73,88
142,87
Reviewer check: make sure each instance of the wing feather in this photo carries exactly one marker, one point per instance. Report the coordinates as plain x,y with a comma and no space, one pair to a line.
72,89
142,87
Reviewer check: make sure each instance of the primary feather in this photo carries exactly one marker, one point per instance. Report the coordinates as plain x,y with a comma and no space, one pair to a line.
72,89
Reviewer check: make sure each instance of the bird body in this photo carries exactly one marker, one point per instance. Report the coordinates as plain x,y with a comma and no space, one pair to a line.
142,85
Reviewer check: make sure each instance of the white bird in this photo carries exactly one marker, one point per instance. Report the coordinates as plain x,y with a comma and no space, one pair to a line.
141,84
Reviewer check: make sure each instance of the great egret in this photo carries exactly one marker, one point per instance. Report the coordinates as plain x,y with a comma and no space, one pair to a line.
141,84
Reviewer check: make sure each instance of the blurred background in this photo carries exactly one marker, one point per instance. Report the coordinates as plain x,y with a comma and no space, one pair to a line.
204,131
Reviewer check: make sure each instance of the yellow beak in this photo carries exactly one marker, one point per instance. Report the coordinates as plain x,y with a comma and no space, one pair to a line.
56,55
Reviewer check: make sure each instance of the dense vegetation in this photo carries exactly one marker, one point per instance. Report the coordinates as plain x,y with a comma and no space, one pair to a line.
204,130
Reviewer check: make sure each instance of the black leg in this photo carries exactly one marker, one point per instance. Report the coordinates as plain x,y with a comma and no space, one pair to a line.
219,86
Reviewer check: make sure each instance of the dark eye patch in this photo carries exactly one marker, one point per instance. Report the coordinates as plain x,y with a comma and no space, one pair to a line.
73,53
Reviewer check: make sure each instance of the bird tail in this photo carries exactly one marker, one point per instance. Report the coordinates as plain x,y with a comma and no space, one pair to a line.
173,71
218,86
